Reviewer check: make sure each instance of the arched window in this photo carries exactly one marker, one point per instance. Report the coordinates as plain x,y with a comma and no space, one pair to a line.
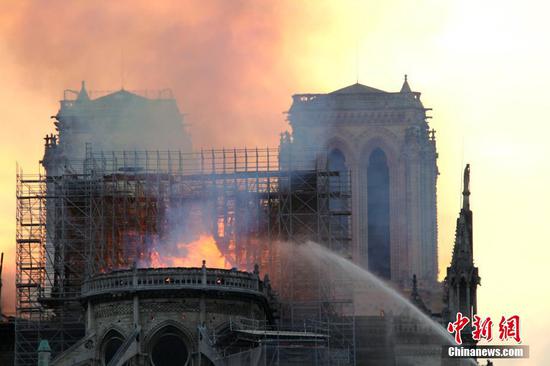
336,163
336,160
378,213
111,343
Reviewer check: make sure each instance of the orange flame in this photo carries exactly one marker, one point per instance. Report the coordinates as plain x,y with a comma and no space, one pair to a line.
204,248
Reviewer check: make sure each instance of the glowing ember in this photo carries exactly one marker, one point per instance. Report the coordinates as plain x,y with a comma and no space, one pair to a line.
204,248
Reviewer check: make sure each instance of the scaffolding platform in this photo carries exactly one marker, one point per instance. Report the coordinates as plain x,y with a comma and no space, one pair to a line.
108,210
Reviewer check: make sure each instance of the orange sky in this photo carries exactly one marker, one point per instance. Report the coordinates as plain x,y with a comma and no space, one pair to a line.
233,65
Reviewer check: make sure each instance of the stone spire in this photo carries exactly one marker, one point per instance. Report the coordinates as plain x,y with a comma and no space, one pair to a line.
463,248
466,190
406,88
83,94
462,276
416,299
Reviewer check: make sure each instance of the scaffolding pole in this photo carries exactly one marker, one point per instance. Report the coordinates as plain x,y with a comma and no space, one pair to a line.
109,210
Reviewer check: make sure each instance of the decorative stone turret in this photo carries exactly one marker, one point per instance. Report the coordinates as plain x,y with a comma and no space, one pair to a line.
416,299
406,88
462,276
83,94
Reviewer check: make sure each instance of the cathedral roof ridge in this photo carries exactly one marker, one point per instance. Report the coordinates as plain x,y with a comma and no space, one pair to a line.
357,88
122,93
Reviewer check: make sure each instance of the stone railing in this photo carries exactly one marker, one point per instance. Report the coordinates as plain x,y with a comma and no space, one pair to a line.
144,279
335,102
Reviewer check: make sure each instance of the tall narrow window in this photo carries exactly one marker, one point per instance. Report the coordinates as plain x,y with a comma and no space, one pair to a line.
340,225
378,209
337,165
111,343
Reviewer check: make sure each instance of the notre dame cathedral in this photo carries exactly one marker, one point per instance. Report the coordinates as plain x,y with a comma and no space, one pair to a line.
379,143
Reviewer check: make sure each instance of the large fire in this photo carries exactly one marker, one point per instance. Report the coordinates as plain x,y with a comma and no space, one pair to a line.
193,253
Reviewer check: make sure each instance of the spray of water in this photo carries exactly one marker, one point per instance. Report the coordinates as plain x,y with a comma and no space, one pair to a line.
314,253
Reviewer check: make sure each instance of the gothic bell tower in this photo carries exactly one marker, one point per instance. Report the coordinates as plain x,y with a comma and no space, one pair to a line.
384,140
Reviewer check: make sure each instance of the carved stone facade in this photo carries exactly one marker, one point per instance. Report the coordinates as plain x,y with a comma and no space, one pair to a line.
384,139
164,316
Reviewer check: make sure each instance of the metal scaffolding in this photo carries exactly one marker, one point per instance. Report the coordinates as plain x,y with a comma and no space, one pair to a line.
109,210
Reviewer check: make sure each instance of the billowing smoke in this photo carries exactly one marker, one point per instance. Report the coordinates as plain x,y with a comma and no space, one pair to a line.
231,65
120,121
220,58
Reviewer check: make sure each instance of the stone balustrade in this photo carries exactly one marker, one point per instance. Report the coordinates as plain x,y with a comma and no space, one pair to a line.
146,279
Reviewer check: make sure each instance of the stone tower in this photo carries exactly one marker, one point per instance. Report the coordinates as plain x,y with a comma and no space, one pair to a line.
118,121
384,139
462,276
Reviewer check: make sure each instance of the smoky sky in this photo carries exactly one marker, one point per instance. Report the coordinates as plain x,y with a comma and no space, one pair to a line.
232,65
222,59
